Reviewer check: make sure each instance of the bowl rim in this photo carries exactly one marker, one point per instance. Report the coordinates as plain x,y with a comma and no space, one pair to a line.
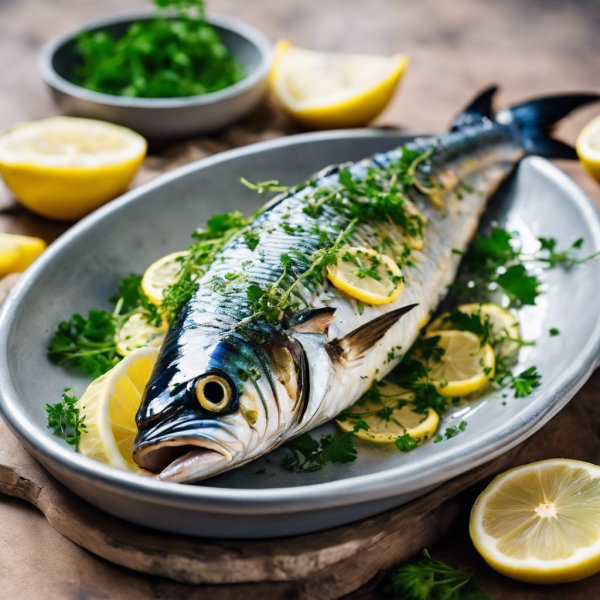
250,33
263,501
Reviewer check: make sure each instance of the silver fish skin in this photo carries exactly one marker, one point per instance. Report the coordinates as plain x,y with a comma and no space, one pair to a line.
264,384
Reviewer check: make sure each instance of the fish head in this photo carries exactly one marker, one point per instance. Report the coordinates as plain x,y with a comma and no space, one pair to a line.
212,404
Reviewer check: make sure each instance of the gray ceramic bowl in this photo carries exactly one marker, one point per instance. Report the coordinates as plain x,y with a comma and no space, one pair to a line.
261,499
162,118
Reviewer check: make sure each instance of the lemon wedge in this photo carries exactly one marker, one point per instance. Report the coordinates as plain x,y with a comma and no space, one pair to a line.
64,167
326,90
540,522
110,404
588,148
464,367
137,333
17,252
504,329
366,275
395,419
160,275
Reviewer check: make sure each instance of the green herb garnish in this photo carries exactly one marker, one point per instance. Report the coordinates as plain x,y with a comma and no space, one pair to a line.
430,579
170,55
64,419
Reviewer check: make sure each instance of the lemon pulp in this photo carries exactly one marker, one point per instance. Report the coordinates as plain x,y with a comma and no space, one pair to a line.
110,405
464,367
65,167
541,522
386,425
160,275
324,90
366,275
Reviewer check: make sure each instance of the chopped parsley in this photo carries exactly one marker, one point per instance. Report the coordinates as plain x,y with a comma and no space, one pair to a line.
161,57
64,418
554,331
306,455
523,384
451,432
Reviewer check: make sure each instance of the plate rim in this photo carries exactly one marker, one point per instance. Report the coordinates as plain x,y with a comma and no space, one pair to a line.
402,479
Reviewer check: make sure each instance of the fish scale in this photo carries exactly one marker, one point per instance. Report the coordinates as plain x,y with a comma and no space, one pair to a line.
278,380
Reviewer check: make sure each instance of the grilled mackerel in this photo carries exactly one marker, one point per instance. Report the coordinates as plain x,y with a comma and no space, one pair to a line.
230,385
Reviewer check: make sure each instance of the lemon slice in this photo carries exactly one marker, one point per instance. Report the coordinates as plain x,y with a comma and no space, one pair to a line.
160,275
588,148
137,333
17,252
465,365
366,275
504,328
394,419
64,168
326,90
540,523
110,404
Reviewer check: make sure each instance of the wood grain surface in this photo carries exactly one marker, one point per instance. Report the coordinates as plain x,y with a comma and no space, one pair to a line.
529,47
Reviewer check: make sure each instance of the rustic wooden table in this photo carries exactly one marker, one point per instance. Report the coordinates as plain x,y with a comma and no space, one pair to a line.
530,47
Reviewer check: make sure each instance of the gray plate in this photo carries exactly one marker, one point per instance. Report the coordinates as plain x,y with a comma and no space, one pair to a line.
81,270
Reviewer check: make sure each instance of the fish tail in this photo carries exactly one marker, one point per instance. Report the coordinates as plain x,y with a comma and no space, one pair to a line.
534,120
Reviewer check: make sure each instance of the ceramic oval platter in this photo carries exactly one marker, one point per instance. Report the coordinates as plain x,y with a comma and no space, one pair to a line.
81,270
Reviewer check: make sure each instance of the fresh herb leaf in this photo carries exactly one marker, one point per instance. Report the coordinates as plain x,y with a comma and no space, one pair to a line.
524,383
430,579
64,418
405,443
162,57
554,331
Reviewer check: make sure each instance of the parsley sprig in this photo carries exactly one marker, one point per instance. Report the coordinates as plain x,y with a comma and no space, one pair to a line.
430,579
64,418
91,343
497,260
306,455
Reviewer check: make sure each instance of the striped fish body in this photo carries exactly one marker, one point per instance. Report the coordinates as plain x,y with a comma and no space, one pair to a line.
230,386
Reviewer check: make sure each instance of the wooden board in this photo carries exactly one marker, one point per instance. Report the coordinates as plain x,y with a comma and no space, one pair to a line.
319,566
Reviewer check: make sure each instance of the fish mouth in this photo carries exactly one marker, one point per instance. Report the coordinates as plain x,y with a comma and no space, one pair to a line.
183,459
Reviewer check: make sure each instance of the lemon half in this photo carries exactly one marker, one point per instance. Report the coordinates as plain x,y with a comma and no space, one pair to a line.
386,426
160,275
327,90
588,148
540,523
465,365
65,167
17,252
366,275
110,404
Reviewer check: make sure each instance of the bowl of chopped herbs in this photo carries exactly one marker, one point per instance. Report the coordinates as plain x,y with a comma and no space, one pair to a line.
167,73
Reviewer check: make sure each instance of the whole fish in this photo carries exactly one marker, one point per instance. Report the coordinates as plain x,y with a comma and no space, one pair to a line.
229,386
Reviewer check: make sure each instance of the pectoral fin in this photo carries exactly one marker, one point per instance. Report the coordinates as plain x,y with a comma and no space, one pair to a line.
315,320
359,341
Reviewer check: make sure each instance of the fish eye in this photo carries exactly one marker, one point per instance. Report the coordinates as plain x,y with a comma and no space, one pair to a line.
214,393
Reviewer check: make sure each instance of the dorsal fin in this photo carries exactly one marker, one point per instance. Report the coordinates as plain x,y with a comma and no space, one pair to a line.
479,108
359,341
314,320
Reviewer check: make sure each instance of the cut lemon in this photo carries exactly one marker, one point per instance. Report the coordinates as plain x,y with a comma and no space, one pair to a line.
464,367
540,523
504,328
17,252
588,148
326,90
395,419
110,404
137,333
366,275
64,168
160,275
